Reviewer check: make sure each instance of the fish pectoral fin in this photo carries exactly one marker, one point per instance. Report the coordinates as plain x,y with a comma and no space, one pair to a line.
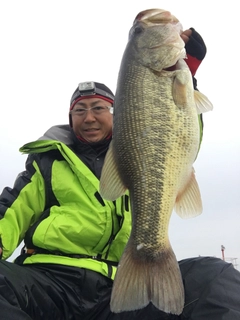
111,186
140,280
188,202
202,102
179,89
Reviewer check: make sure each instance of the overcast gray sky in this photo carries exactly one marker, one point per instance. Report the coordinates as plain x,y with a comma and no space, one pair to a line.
49,46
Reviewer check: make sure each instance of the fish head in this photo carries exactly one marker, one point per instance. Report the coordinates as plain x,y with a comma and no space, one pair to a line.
155,37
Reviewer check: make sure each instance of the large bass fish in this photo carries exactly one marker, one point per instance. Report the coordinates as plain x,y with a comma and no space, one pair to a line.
155,142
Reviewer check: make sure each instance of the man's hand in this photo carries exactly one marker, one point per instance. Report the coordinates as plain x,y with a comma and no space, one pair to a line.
195,48
186,34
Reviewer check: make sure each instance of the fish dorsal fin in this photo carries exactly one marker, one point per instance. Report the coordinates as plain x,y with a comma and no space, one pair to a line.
111,186
202,102
188,203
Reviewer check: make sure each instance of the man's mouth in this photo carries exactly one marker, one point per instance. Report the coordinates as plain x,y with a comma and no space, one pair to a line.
91,129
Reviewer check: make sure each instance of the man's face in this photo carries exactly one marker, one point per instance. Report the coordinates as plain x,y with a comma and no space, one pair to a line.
90,125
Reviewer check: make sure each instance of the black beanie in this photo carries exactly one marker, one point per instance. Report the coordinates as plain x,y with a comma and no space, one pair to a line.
91,88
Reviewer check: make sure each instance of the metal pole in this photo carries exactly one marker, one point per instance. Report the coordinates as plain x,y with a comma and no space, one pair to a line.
222,249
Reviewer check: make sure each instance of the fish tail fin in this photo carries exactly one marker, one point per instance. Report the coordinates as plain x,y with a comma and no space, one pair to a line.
131,285
140,281
167,291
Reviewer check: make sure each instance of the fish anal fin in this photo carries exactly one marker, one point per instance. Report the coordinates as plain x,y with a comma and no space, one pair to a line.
111,186
188,202
202,102
139,282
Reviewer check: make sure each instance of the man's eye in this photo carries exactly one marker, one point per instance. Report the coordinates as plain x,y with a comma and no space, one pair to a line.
98,108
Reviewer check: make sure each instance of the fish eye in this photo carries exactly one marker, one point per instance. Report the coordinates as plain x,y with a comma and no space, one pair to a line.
136,29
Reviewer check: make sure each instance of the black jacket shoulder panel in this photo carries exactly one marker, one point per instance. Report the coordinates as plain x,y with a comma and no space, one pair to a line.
9,195
45,161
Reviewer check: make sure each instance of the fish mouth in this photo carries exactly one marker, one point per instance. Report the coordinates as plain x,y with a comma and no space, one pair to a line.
161,33
155,16
172,68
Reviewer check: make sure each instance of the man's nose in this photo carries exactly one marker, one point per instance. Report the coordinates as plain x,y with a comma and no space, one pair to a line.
89,116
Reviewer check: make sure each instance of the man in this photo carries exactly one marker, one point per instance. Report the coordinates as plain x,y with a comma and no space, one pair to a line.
74,239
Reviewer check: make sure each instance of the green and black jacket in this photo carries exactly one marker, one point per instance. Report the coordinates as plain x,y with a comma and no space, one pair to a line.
55,207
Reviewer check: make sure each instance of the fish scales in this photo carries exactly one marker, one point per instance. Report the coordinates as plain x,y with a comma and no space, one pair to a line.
155,142
154,152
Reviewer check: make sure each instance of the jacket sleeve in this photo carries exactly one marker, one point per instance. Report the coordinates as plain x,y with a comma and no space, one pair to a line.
196,51
212,289
20,206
